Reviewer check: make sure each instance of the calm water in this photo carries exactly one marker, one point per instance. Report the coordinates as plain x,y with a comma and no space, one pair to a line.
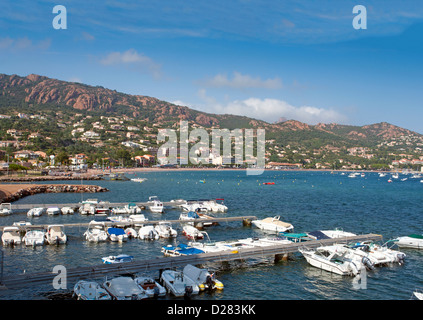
308,200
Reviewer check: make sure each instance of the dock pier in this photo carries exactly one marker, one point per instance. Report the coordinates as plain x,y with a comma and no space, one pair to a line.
101,270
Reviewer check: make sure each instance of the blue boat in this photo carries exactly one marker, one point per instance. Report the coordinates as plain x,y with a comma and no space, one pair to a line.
180,250
117,259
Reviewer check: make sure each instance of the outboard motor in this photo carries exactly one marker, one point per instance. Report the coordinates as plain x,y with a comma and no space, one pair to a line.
401,258
188,292
209,282
151,235
369,265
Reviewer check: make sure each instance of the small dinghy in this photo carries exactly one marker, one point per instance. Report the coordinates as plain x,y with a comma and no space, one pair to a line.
55,234
203,278
192,233
117,259
11,236
151,287
35,212
178,284
89,290
34,238
117,235
148,233
96,232
124,288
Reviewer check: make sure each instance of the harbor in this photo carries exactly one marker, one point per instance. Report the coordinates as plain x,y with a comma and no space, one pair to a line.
310,202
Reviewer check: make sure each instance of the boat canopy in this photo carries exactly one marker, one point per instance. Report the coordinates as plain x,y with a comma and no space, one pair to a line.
319,235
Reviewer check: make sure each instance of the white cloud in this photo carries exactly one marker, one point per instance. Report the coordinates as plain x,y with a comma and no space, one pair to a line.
21,44
242,81
137,61
271,110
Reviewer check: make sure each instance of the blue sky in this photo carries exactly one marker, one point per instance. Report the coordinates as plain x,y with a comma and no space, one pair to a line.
298,60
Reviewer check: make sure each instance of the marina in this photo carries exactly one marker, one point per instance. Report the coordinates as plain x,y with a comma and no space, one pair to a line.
305,201
133,267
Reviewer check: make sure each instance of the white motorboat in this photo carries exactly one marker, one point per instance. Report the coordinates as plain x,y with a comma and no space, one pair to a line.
11,236
53,211
152,288
87,209
117,259
214,206
326,258
418,294
35,212
155,205
188,217
55,234
337,233
118,210
96,232
90,290
367,251
192,232
196,206
178,284
138,179
67,210
148,233
138,220
117,234
22,223
120,219
35,238
131,233
132,208
5,209
102,208
273,224
414,241
202,278
124,288
165,230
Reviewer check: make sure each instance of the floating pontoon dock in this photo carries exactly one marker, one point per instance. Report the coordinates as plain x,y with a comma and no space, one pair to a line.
102,270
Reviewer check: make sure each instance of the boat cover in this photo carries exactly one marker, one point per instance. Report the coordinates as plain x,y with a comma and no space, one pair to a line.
319,235
416,236
184,249
196,274
193,215
116,231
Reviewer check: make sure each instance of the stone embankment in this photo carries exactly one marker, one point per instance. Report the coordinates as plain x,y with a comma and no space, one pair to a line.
29,190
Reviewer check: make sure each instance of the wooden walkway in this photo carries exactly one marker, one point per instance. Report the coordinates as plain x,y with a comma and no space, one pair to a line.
102,270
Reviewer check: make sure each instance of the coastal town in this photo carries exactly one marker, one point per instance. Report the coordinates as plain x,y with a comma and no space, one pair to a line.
125,142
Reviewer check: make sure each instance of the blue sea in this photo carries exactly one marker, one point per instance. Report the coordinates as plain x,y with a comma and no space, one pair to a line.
310,200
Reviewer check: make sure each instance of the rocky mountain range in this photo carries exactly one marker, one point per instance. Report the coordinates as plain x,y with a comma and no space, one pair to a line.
23,93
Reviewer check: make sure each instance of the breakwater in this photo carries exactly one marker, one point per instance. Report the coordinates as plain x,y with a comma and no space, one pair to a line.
50,188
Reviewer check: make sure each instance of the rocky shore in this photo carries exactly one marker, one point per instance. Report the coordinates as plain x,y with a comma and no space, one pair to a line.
48,178
10,193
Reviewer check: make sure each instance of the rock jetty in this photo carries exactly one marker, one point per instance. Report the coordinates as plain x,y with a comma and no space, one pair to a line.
50,188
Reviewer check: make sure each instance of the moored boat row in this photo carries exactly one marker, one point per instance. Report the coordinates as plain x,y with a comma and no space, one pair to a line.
190,281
